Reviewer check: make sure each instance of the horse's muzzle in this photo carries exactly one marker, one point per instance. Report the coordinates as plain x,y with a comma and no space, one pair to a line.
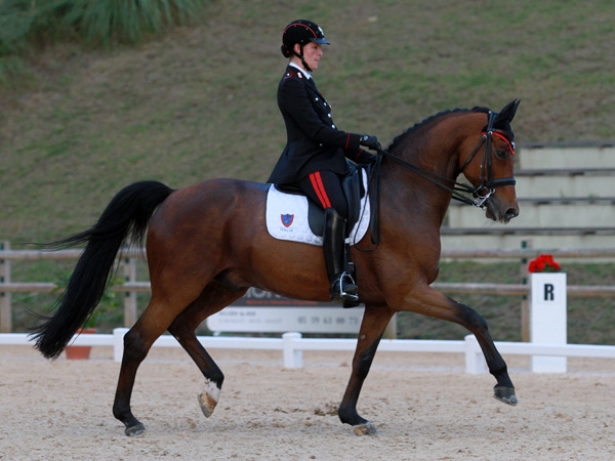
498,213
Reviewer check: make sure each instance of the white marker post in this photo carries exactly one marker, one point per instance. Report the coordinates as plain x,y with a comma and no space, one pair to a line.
548,319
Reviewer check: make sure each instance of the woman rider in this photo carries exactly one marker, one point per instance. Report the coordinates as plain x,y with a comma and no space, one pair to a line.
314,158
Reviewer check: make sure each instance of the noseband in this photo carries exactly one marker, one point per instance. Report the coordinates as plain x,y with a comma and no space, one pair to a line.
485,189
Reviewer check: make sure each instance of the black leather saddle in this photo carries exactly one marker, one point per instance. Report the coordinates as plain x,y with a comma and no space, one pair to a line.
352,186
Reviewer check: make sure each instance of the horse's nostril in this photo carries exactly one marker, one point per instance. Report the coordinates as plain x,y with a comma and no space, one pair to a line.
512,213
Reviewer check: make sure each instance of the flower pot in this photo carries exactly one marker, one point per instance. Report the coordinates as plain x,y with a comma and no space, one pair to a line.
80,352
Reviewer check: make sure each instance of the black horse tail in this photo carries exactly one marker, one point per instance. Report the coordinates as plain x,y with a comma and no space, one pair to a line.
127,216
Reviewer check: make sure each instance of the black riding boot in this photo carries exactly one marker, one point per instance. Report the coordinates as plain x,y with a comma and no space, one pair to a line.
343,287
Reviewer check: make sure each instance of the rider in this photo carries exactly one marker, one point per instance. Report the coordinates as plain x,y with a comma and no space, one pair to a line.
314,158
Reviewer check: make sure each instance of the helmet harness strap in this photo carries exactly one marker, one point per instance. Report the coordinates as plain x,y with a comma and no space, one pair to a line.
300,56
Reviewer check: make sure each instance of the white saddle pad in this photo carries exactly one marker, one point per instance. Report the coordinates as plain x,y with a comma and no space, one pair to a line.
287,218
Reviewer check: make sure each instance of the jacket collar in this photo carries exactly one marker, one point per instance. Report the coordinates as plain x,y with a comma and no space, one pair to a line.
300,71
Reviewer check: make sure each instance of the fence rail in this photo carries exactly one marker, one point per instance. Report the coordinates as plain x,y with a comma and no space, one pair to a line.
562,253
292,346
131,287
503,289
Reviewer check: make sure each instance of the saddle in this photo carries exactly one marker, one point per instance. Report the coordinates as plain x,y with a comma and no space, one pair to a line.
354,191
292,216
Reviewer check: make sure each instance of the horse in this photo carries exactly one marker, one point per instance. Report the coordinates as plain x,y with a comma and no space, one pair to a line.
207,243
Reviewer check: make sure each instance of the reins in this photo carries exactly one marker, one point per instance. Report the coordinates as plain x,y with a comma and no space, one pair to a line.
480,193
488,183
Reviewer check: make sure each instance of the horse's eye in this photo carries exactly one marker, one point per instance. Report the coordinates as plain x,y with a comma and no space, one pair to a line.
501,154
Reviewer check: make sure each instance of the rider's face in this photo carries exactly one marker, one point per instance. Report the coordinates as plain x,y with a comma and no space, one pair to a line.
312,53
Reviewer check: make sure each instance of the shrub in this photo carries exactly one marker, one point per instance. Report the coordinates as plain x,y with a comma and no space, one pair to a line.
125,21
32,24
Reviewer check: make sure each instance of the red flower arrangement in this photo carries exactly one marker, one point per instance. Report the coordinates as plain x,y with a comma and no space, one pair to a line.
544,263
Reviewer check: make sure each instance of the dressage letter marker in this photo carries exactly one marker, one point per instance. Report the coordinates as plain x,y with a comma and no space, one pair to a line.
548,318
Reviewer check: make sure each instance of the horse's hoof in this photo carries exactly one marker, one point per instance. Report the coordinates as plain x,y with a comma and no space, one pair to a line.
135,431
209,399
365,429
506,395
207,404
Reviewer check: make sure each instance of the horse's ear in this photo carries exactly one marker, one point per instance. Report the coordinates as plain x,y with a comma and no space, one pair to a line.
508,112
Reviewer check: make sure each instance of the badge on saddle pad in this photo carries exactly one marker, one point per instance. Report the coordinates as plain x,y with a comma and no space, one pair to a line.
287,217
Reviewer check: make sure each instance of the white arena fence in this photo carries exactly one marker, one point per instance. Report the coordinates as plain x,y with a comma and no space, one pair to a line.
292,346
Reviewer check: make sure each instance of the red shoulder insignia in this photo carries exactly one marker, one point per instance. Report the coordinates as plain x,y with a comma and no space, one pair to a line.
289,74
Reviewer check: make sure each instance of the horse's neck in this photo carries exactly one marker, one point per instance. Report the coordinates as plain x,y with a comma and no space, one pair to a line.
434,152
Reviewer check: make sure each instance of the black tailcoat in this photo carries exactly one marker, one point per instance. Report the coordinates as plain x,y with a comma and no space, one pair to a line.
313,141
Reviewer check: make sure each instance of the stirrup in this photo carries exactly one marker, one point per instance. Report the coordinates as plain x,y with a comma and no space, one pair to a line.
341,292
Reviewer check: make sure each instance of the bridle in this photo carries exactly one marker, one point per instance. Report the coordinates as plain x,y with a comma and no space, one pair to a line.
480,193
487,182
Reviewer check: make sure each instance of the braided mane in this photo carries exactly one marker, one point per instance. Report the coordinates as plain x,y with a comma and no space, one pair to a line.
412,129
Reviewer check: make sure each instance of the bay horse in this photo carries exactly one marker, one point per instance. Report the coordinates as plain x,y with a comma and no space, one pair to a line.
207,244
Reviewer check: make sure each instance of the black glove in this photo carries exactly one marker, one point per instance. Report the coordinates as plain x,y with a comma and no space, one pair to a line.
371,142
365,158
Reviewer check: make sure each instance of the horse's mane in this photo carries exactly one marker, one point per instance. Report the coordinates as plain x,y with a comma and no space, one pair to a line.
412,129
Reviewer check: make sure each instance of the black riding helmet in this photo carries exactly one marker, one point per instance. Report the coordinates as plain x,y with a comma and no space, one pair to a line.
302,32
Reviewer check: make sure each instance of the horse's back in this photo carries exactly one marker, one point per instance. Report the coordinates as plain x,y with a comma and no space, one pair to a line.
221,196
208,210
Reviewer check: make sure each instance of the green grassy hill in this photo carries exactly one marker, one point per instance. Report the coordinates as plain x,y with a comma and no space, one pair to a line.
200,102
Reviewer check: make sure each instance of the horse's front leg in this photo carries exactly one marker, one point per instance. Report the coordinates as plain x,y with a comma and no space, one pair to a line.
430,302
375,320
504,391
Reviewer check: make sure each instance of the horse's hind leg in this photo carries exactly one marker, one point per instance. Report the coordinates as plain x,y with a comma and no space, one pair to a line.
137,343
375,320
213,298
158,317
